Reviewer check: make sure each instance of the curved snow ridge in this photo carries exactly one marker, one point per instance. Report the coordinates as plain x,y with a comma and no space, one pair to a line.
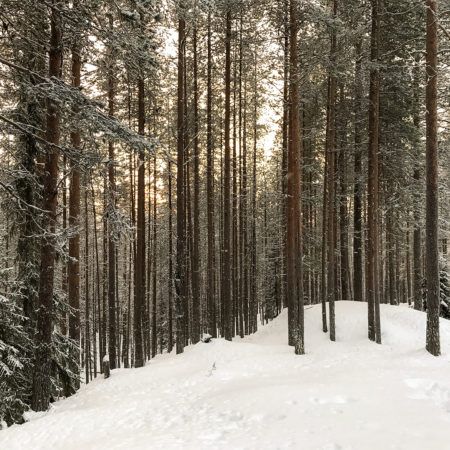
255,393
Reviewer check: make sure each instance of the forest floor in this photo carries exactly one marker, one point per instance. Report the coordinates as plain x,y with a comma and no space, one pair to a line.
254,393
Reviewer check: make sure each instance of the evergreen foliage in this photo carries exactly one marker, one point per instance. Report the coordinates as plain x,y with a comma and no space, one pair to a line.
15,362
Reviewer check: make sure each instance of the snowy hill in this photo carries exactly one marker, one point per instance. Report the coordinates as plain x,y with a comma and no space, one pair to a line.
256,394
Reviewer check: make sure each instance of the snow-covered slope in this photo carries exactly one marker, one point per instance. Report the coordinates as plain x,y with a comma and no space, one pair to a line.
256,394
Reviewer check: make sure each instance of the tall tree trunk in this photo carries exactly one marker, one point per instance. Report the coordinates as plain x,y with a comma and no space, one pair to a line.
432,222
196,264
211,295
74,213
155,255
180,272
408,265
139,302
170,281
285,129
417,176
253,301
226,244
373,184
243,294
324,290
112,348
357,192
293,205
64,269
97,279
234,211
343,210
87,338
105,265
42,366
331,226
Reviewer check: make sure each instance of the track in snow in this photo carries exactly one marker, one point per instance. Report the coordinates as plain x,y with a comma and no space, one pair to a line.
254,393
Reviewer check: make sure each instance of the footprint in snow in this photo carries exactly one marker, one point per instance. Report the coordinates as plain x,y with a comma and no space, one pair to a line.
337,399
426,389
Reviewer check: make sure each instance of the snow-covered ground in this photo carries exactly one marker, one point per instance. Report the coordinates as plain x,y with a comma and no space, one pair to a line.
256,394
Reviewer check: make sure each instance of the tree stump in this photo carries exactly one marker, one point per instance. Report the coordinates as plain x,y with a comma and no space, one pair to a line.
106,370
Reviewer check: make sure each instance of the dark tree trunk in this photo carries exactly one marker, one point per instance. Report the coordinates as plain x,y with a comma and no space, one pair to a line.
331,150
343,210
226,244
357,192
87,337
97,279
285,129
373,183
418,178
180,272
253,301
196,264
112,348
139,302
74,221
170,281
293,205
432,223
211,295
155,254
42,365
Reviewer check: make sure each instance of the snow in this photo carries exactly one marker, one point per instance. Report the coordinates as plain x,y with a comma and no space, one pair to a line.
254,393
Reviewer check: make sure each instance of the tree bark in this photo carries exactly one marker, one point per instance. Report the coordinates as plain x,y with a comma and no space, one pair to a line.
196,264
357,192
180,282
226,244
293,205
43,353
373,183
139,302
432,194
211,269
112,348
331,151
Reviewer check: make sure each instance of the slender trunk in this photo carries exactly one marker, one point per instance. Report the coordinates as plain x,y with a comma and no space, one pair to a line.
170,281
331,226
418,178
293,206
432,222
373,183
139,302
212,322
390,239
343,210
180,271
234,211
226,244
195,261
74,213
408,265
87,338
324,240
112,350
155,253
285,126
253,303
357,192
64,269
